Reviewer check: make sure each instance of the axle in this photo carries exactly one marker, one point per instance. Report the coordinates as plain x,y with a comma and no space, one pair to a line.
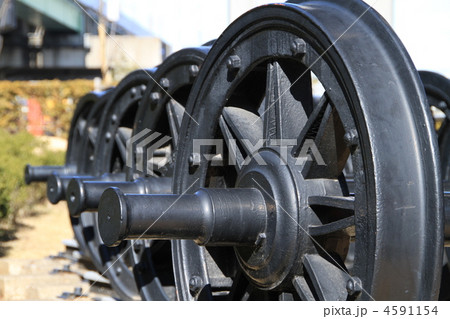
57,184
210,216
83,195
42,173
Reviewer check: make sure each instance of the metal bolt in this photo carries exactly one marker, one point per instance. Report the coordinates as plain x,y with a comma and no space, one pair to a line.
298,46
354,286
234,63
114,119
193,70
165,83
260,239
194,159
143,88
195,284
154,97
351,138
133,92
108,136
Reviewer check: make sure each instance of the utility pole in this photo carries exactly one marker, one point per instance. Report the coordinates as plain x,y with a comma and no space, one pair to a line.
102,40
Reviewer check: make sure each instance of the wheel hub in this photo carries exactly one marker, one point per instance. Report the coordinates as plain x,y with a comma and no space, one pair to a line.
275,257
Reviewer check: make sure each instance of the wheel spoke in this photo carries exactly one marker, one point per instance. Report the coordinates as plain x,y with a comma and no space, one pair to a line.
175,113
345,223
302,288
284,115
122,136
331,146
336,213
243,127
328,281
241,288
311,127
340,202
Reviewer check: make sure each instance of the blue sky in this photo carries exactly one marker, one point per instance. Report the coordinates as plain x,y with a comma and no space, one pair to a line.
423,26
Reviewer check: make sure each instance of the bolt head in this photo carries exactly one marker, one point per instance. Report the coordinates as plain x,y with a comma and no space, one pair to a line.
194,159
108,136
133,92
193,70
351,138
114,119
298,46
234,63
354,286
165,83
154,97
195,284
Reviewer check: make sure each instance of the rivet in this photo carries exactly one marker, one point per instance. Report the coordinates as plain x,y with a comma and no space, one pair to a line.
114,119
108,136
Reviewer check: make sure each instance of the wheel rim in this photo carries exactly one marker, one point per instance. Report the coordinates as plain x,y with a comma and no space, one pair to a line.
298,33
161,112
437,88
83,132
76,134
114,129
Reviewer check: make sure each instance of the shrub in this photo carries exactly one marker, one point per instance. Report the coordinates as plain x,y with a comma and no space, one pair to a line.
16,151
57,99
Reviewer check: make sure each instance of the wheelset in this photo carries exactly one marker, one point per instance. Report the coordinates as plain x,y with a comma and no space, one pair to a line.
270,214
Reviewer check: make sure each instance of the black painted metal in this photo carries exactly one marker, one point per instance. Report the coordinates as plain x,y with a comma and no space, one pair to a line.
160,111
75,140
84,195
381,129
203,217
42,173
437,88
57,184
112,125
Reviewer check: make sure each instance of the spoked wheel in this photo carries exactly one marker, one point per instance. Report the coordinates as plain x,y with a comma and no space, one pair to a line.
77,134
290,218
115,127
437,88
160,112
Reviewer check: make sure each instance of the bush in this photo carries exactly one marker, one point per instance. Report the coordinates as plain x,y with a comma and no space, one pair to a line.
16,151
57,99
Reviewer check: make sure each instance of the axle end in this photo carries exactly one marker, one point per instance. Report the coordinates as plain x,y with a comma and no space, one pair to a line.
55,189
75,197
112,217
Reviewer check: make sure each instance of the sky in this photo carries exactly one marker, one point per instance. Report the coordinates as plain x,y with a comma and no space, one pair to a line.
423,26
